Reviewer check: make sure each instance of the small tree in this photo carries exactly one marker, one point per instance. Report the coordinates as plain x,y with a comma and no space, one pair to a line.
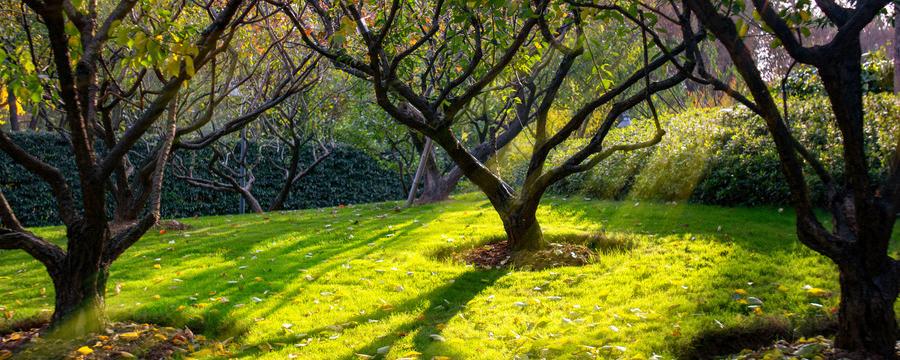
279,142
427,91
85,89
863,206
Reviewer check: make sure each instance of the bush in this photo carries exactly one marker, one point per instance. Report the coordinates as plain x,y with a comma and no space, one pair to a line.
348,176
721,156
877,76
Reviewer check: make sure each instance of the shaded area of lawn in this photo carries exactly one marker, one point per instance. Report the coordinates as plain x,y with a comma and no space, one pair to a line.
332,283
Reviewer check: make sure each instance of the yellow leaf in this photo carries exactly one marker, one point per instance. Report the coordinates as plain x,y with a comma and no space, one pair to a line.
817,292
84,350
157,266
440,357
740,291
189,66
130,336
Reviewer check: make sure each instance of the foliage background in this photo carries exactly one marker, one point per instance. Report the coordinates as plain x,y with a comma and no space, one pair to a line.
720,156
348,176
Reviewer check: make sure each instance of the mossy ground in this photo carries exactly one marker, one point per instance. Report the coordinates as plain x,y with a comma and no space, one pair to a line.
368,279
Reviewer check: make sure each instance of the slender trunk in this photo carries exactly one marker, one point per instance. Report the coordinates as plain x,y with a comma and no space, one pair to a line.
522,228
13,110
288,184
251,201
423,163
896,48
866,319
80,286
278,203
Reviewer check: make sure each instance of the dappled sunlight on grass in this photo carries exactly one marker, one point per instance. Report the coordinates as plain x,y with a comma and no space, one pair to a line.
333,283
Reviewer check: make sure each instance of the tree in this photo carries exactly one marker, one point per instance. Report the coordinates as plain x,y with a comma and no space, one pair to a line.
863,206
428,91
283,136
83,45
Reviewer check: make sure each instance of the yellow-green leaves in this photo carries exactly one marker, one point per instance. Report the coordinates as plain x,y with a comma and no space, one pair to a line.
742,27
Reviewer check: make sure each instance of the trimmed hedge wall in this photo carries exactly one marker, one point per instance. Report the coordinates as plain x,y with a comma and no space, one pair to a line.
348,176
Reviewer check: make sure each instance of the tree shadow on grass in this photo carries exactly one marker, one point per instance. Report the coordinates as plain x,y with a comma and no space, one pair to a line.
442,304
276,272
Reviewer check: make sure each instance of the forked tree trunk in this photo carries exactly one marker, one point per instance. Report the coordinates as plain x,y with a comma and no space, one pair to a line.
80,287
866,318
869,284
436,187
523,231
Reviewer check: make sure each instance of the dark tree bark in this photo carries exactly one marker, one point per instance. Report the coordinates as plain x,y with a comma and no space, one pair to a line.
80,285
80,272
431,107
863,209
13,109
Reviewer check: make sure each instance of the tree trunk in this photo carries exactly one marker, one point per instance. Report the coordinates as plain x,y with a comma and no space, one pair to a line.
80,287
287,186
866,319
80,302
251,201
522,228
896,48
13,109
423,164
436,187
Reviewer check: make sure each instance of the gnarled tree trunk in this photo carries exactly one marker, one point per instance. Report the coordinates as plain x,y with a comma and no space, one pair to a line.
523,231
80,284
437,187
866,315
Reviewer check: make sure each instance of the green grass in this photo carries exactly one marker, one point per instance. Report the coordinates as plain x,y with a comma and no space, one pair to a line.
353,280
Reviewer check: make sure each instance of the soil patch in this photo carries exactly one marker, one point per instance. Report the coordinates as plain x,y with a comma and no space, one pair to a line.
173,225
499,255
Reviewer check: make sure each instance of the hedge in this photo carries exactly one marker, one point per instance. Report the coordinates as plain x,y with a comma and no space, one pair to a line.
721,156
348,176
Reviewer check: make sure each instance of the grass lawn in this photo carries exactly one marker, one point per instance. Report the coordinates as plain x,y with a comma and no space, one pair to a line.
366,279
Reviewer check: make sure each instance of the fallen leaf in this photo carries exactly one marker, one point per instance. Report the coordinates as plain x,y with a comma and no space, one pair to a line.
84,350
818,292
130,336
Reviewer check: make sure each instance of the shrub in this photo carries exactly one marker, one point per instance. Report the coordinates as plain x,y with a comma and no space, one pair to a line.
721,156
348,176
